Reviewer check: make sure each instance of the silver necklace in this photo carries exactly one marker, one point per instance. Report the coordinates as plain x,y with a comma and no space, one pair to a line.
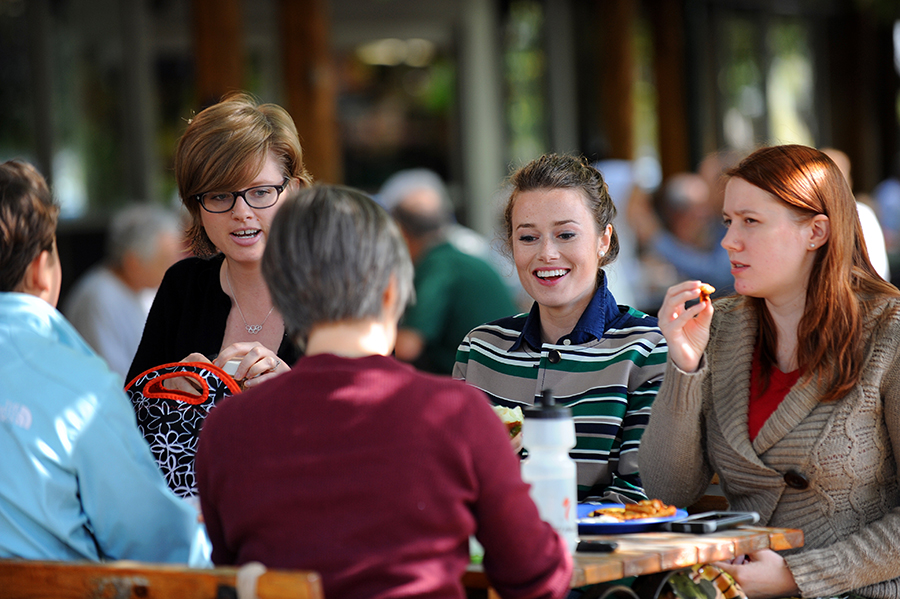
253,329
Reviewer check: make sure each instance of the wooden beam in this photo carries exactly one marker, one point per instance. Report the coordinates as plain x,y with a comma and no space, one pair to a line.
615,53
311,85
667,20
218,49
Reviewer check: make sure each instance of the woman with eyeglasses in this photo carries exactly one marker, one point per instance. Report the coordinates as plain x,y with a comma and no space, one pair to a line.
233,164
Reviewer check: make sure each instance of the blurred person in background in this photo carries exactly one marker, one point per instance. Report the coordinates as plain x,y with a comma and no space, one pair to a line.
457,287
873,234
78,480
108,304
625,278
886,197
682,236
286,472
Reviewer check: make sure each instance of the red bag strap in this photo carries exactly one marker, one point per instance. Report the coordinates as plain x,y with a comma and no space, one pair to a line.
155,389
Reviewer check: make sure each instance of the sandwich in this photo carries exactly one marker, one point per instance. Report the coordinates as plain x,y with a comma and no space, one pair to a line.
512,418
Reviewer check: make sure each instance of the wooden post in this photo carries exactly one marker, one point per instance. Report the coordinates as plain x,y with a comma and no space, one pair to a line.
615,22
38,18
311,86
218,49
484,153
669,69
138,112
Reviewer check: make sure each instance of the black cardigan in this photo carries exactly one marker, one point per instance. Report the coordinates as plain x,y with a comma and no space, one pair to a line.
189,315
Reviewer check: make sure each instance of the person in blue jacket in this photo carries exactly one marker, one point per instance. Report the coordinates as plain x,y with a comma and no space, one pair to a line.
78,480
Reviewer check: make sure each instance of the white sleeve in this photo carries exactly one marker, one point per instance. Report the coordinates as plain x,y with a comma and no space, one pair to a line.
874,238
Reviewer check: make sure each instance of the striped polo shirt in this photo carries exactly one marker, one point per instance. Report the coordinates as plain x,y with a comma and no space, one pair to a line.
607,370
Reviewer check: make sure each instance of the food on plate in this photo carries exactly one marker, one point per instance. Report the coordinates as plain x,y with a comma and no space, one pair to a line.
648,508
512,418
706,290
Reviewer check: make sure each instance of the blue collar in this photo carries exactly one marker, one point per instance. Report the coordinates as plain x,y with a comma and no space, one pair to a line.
596,318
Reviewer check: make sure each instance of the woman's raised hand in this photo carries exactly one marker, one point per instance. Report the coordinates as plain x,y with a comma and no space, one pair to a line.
686,329
258,362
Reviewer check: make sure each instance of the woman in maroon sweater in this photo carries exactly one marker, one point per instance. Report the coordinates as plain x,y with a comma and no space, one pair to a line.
355,465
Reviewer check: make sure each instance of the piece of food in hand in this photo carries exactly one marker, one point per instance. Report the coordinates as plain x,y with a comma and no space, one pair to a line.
706,290
512,418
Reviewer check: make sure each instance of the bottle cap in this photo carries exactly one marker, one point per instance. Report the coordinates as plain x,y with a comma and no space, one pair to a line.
547,408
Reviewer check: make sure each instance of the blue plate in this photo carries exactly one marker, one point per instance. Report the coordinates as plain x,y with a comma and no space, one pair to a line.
593,527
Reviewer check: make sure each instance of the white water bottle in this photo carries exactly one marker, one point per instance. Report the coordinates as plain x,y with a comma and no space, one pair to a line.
548,433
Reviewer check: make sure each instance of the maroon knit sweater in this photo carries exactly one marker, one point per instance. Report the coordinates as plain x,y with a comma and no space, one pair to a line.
374,475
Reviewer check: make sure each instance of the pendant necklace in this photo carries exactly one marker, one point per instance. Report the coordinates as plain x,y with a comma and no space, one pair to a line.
253,329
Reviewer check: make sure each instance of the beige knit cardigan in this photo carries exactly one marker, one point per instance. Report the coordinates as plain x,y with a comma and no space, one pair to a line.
846,449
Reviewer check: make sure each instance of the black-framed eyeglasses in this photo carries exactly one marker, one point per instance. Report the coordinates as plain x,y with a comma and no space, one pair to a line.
261,196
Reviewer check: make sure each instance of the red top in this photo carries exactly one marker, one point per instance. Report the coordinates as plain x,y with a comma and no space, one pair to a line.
764,403
374,475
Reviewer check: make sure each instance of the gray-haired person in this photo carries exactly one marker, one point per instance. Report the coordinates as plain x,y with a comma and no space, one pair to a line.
354,464
109,303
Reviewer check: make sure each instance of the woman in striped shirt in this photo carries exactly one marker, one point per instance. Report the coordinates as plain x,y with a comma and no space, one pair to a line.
602,360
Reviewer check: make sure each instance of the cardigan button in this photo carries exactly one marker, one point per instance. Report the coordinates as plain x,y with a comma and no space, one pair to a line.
796,480
554,356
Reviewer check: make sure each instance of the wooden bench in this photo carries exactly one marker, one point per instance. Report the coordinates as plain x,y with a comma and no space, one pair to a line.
26,579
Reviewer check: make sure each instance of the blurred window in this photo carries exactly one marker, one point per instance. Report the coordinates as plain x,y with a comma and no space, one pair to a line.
765,78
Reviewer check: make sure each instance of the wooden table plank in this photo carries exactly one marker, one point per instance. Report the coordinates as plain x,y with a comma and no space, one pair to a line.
597,569
74,580
652,552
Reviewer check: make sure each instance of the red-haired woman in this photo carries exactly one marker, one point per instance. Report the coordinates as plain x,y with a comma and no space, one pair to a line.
790,391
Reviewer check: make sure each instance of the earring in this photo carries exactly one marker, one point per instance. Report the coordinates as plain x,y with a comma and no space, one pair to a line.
602,254
812,245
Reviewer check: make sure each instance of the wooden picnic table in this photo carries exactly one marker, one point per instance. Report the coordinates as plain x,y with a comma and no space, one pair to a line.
648,553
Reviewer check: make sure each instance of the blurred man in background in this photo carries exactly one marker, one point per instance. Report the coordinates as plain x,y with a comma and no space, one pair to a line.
108,305
683,232
456,286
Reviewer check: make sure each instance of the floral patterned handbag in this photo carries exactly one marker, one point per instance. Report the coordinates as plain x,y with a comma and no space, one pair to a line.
170,420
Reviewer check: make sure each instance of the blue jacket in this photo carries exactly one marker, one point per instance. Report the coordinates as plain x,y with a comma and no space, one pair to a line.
77,481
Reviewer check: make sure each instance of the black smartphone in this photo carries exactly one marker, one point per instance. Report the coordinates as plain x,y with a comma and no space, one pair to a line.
711,522
596,546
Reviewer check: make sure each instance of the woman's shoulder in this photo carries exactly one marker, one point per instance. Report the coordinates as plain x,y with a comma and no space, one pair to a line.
629,315
884,315
730,308
192,266
633,324
508,327
732,319
192,284
438,396
888,305
729,303
192,273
